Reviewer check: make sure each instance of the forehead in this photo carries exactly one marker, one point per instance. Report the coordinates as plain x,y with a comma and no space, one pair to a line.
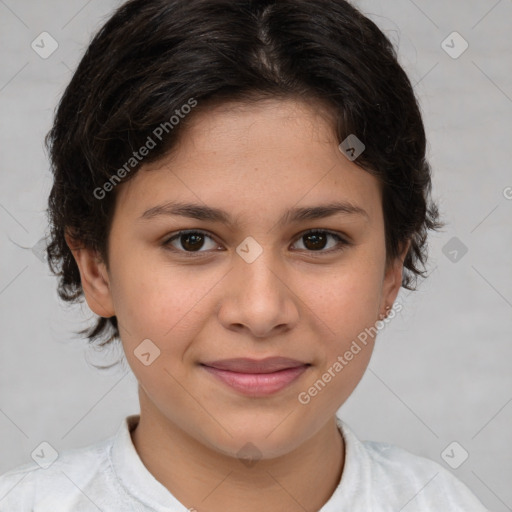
313,116
254,158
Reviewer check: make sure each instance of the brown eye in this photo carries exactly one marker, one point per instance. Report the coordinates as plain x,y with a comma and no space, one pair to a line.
315,241
192,241
318,240
189,241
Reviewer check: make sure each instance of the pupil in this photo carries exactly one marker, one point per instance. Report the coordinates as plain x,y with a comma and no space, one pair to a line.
196,241
318,241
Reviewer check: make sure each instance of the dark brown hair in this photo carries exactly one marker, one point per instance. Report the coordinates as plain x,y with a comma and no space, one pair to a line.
154,56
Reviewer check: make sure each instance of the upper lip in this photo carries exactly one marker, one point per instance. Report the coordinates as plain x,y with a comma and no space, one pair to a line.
247,365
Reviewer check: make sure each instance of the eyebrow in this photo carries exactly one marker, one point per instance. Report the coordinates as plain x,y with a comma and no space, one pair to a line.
207,213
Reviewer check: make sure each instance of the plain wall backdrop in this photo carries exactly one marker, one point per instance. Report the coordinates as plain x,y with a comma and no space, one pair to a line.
441,369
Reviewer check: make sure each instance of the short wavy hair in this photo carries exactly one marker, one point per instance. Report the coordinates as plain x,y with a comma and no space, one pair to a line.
152,56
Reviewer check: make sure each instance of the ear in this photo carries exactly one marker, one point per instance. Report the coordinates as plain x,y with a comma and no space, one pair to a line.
94,277
393,278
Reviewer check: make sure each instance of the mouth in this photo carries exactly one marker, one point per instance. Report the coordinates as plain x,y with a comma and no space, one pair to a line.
256,377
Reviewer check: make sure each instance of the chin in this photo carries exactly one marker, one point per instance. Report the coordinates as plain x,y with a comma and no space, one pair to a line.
257,440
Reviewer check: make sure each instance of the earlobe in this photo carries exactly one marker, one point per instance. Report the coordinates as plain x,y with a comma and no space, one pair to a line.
94,278
393,278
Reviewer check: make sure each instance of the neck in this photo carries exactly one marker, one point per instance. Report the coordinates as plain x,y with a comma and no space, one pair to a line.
202,478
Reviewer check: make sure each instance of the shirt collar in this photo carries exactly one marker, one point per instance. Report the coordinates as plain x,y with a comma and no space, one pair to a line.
138,482
354,488
134,476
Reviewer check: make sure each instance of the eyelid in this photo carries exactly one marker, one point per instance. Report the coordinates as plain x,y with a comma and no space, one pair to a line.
342,240
177,234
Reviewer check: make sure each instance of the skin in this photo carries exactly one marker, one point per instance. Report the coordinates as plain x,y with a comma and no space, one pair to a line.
255,162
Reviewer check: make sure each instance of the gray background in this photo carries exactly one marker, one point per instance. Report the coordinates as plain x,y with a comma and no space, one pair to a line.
441,369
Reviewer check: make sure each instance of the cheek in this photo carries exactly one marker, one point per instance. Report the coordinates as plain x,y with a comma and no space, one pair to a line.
347,311
159,316
161,302
348,298
348,307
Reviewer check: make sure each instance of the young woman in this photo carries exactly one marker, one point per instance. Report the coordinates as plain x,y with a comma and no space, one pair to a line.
240,190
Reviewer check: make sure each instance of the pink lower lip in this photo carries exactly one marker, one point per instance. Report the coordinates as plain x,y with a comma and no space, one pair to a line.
258,384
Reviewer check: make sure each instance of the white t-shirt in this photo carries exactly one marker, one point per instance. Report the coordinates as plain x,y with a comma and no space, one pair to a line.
109,476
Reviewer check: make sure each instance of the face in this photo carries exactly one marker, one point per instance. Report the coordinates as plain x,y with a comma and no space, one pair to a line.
279,276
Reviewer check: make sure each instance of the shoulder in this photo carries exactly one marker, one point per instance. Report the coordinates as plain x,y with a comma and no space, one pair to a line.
62,481
407,481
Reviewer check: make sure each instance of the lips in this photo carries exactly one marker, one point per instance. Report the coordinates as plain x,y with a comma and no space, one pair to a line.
247,365
256,378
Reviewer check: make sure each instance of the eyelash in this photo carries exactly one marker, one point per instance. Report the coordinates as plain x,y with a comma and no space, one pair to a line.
342,242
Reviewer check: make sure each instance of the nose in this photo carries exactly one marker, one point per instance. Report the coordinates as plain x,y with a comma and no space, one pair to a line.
259,297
